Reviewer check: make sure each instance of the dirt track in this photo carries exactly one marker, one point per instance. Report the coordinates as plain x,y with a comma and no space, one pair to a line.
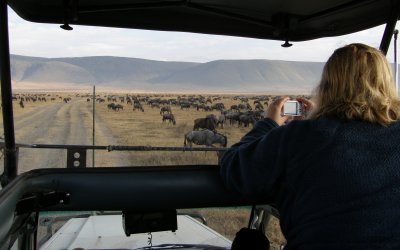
62,123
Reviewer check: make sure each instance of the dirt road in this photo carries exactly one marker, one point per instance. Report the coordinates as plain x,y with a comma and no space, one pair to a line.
62,123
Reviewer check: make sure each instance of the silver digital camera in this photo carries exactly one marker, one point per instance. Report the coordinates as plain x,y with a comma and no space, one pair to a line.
292,108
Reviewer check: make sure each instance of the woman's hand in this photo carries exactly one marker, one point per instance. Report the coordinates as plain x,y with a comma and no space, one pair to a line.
274,111
306,105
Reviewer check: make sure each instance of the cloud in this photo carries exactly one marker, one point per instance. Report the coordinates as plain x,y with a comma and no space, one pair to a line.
49,40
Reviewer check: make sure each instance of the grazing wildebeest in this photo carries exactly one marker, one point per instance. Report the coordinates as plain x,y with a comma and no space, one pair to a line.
170,117
165,110
221,120
244,106
111,106
259,106
21,104
218,106
247,119
235,107
117,107
137,105
185,105
232,116
114,106
212,116
203,107
205,137
200,106
206,123
155,105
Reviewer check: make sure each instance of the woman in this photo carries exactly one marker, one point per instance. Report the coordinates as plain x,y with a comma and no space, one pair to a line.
335,176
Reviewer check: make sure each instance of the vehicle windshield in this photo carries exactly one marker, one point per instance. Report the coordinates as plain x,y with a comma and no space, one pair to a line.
102,97
136,95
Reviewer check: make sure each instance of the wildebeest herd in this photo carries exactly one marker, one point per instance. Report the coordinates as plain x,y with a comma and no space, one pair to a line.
215,115
220,111
25,98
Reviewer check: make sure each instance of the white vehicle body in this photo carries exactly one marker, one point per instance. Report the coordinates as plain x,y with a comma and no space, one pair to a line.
106,232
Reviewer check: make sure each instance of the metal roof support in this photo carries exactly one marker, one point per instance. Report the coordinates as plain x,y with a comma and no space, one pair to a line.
10,150
390,26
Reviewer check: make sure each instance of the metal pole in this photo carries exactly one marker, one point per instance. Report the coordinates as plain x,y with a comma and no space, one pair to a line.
390,27
396,73
10,150
94,111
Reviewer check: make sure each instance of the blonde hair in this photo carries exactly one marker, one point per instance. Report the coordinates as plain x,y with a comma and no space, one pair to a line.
357,83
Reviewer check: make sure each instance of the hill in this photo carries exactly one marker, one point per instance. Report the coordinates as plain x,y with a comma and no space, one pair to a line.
242,76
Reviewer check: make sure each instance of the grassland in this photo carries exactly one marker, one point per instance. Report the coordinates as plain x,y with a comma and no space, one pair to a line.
147,129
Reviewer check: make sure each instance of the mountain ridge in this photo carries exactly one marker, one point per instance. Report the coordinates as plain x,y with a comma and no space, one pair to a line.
251,75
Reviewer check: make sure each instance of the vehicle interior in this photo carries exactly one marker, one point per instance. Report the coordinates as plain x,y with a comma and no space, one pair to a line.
157,189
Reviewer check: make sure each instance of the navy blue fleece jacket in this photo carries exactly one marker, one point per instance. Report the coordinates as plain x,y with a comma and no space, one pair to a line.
341,180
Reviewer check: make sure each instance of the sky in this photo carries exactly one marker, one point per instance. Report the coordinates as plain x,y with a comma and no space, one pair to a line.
49,40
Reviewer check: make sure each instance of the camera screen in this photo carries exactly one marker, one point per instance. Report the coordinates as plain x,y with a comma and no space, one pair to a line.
290,108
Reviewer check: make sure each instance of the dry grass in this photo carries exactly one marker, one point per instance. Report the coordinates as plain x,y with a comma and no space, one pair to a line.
136,128
227,221
232,218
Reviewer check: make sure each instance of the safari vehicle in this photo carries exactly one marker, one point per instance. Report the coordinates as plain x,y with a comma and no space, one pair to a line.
145,199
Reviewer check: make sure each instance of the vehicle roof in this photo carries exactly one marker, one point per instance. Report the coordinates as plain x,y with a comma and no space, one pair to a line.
293,20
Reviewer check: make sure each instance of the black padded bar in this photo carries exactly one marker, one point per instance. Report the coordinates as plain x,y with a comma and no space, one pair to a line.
134,189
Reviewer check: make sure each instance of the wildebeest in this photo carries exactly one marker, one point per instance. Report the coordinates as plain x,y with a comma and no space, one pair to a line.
203,107
169,117
246,119
206,123
117,107
21,104
205,137
221,120
259,106
244,106
185,105
235,107
137,105
114,106
110,105
165,110
218,106
232,117
155,105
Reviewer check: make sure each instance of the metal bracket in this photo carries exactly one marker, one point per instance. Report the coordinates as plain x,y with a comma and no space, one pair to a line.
70,13
76,158
261,216
37,201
